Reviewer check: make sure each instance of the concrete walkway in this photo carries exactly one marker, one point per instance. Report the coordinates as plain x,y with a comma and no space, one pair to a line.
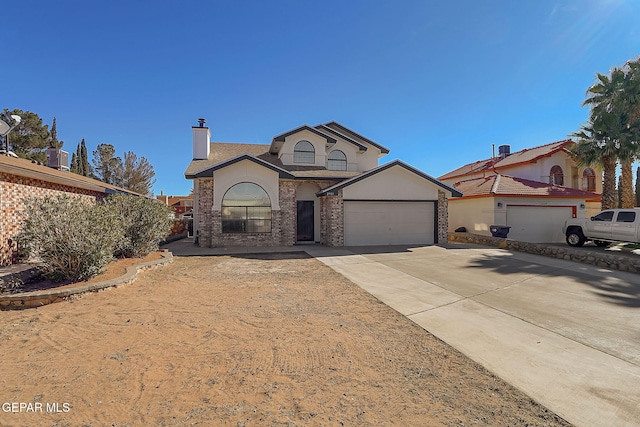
566,334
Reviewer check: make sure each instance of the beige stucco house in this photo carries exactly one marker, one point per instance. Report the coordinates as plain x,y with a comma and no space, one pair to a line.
312,184
533,191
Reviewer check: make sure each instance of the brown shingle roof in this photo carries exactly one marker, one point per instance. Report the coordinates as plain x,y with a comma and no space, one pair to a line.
224,151
27,168
505,185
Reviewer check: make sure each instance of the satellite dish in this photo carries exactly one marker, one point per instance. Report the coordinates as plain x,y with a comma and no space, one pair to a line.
4,127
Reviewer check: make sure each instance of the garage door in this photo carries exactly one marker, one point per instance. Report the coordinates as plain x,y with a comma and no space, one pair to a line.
388,223
537,224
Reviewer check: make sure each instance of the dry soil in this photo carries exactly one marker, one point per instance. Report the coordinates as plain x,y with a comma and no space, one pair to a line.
275,340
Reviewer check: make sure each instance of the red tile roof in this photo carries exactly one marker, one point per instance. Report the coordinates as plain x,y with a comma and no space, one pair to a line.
528,155
505,185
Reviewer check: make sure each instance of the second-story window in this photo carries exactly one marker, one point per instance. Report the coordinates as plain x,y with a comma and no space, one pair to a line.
304,153
556,177
337,161
589,180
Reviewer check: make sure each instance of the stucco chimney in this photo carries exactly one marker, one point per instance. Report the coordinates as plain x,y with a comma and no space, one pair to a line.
201,140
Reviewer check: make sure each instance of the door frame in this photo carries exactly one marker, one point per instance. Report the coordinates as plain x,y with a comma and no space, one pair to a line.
307,221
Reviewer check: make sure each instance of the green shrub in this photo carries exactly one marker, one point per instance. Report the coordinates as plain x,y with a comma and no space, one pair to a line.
73,238
144,223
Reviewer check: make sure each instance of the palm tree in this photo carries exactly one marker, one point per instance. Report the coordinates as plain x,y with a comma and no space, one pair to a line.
615,107
595,148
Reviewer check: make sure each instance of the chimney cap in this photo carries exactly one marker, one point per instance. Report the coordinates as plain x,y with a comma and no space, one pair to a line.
202,121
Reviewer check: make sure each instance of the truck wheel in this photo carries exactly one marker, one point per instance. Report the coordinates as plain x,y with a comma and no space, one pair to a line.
575,238
601,243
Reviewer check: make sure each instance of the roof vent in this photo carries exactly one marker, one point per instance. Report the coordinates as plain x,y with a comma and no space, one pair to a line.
504,151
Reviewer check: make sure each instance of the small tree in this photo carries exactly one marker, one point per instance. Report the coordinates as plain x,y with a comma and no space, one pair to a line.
73,238
144,224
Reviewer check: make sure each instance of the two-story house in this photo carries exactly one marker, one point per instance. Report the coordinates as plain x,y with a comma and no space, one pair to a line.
533,191
312,184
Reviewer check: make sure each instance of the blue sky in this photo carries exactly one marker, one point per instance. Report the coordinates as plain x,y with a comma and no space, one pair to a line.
437,82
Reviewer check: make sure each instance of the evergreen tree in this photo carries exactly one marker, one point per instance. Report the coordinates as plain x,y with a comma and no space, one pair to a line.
106,167
84,159
74,163
53,138
79,164
30,137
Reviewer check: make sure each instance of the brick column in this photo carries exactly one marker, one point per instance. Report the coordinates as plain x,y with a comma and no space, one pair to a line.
443,217
205,212
288,212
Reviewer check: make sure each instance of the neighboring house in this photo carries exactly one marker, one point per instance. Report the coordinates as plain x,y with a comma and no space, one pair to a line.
180,204
533,191
21,179
312,184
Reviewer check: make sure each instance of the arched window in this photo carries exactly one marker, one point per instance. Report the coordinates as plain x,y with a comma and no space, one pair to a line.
304,153
246,208
589,180
337,161
556,177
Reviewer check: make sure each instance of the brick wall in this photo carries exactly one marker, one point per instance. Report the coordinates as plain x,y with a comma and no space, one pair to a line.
283,221
205,212
443,217
13,190
332,220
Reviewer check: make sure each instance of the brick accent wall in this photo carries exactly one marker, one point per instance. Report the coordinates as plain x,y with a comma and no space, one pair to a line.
332,220
443,217
205,212
288,212
283,221
13,190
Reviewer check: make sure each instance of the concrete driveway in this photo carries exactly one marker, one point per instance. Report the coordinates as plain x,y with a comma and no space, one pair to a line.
567,334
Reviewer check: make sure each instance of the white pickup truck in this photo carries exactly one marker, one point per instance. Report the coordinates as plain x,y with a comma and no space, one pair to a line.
612,225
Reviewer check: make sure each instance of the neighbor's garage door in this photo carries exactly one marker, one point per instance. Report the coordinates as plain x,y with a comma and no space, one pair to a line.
537,224
388,223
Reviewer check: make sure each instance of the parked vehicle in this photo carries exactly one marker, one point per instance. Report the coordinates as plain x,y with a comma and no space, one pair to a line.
611,225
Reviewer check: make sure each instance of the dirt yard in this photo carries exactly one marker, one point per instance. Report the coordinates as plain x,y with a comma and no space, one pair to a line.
277,340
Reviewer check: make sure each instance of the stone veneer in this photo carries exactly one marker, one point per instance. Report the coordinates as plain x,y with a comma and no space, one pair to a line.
609,260
13,190
283,221
443,217
332,220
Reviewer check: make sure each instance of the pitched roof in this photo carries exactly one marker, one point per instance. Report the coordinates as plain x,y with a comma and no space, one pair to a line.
223,154
505,185
343,136
29,169
336,187
208,171
348,132
528,155
276,142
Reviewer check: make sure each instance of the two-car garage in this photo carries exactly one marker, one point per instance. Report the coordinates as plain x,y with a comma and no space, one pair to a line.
394,204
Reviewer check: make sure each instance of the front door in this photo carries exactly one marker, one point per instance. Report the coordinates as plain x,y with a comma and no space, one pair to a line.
305,221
